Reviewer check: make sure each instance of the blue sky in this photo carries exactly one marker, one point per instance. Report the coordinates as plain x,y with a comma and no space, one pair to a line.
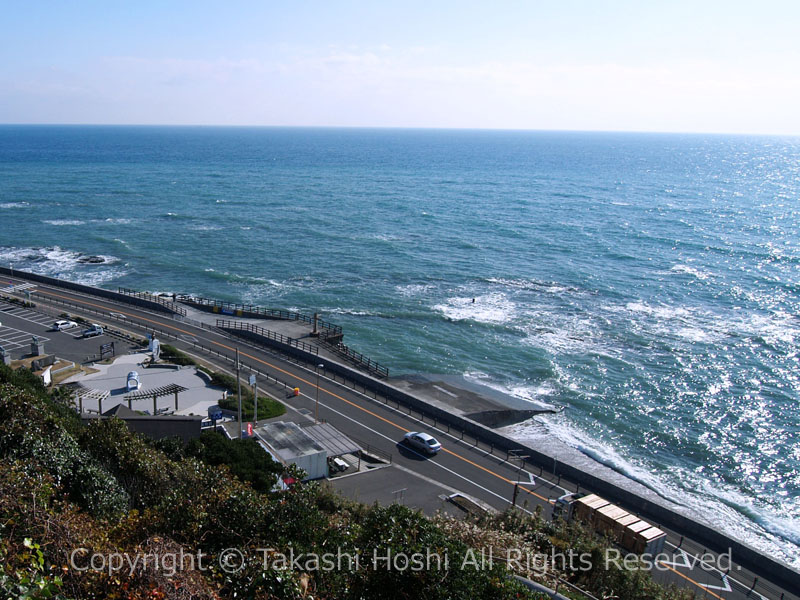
578,65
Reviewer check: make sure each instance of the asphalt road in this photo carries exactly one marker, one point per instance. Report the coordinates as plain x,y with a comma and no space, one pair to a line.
459,466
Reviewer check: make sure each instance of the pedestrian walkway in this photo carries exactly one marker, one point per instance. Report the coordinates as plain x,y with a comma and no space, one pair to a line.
292,332
195,397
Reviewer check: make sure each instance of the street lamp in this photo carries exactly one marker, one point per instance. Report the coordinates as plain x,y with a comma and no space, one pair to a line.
316,405
255,398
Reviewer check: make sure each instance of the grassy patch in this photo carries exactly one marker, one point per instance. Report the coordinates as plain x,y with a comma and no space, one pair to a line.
175,356
267,407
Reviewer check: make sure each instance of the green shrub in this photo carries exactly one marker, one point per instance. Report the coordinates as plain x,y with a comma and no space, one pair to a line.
32,432
144,472
175,356
245,458
267,407
31,582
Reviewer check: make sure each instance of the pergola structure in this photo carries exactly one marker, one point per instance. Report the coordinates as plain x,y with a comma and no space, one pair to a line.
155,394
81,393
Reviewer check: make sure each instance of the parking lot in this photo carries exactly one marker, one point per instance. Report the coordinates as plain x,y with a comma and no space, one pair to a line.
11,338
18,325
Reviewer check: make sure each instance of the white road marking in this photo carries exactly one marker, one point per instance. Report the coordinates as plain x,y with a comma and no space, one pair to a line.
386,437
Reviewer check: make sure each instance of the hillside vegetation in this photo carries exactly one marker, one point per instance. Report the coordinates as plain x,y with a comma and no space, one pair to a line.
97,512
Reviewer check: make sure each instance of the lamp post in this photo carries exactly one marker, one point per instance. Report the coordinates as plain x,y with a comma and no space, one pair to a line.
316,404
239,392
255,398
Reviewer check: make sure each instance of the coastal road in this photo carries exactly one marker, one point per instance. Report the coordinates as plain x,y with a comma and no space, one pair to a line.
460,466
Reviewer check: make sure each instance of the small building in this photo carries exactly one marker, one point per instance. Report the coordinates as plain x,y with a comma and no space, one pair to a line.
153,426
289,444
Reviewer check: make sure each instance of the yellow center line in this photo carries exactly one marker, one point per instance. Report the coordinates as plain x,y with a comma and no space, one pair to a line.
690,580
298,378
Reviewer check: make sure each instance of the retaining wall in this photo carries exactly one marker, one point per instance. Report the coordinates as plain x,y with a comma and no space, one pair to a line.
85,289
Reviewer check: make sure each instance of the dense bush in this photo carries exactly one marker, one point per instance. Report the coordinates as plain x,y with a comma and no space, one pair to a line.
245,458
32,431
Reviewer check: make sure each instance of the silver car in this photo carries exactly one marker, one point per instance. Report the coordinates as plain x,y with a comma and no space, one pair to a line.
423,441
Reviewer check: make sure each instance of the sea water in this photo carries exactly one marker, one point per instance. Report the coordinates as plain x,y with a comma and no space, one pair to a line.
648,283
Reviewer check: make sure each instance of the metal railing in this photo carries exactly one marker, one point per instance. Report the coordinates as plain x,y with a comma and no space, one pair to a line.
231,308
372,450
169,304
234,326
357,358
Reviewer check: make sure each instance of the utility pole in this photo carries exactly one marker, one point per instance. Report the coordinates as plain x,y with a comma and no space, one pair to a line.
521,458
239,392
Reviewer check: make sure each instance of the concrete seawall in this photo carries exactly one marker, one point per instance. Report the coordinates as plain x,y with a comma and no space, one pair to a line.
86,289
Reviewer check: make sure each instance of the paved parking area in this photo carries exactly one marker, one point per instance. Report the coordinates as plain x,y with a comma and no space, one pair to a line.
20,324
387,485
26,314
14,339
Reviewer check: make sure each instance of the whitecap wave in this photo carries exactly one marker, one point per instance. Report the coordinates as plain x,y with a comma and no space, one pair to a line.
14,204
557,333
540,395
533,285
687,270
413,289
751,521
350,312
63,222
494,308
67,264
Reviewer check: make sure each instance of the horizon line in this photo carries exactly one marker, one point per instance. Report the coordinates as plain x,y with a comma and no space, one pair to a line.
404,128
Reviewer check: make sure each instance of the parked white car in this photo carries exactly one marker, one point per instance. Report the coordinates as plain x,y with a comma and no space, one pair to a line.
423,441
62,325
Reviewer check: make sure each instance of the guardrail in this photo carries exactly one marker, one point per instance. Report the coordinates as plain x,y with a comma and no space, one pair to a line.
84,289
372,450
359,359
169,305
255,330
234,308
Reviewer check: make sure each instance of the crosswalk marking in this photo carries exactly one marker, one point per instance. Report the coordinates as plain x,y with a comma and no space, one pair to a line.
19,287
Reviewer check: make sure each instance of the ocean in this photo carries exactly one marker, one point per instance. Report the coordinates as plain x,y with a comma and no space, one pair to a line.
649,284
